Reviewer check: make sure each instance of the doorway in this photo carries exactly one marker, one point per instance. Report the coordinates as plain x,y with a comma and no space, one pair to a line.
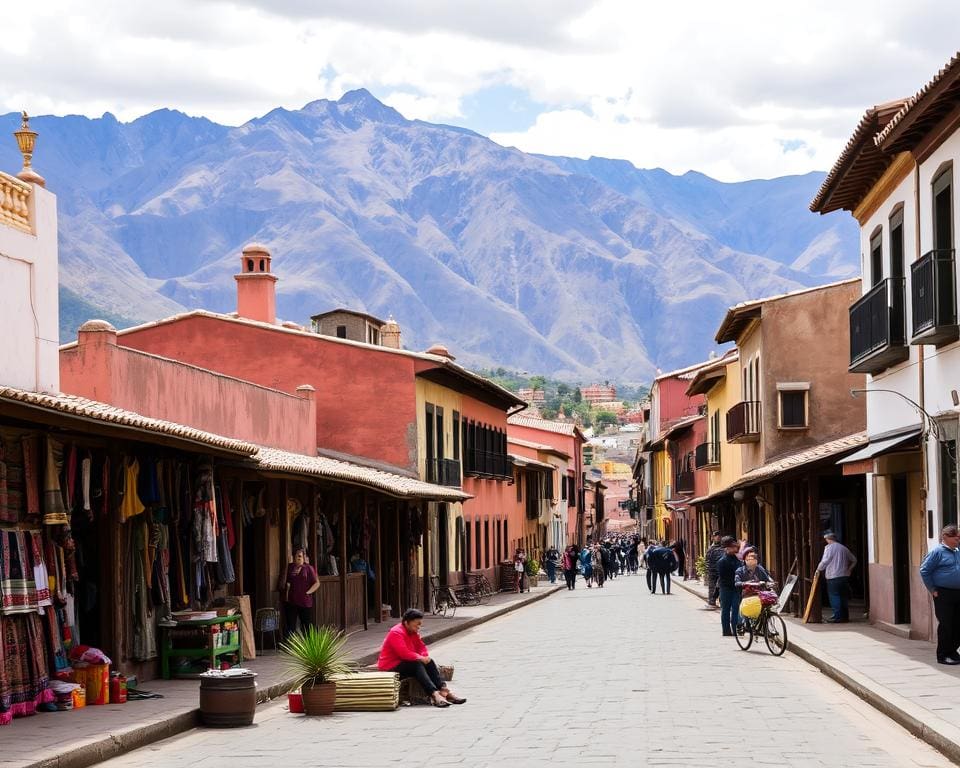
443,543
900,511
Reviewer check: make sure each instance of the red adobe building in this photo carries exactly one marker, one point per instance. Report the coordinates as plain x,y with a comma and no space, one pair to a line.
413,413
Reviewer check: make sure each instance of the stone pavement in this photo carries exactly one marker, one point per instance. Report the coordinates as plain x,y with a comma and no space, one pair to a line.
588,678
900,677
93,734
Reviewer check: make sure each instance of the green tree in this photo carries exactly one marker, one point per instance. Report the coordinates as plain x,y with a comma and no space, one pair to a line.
563,390
537,382
605,419
567,410
548,413
577,395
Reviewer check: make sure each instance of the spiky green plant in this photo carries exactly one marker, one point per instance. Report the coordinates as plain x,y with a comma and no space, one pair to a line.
313,654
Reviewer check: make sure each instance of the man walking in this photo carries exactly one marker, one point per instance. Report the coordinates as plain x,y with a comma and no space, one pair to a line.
551,559
662,562
711,558
726,580
940,572
837,564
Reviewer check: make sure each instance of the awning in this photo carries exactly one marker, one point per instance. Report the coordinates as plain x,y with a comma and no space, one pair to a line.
882,445
524,461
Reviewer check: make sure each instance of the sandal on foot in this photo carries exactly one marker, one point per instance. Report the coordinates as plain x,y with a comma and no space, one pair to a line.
440,702
452,699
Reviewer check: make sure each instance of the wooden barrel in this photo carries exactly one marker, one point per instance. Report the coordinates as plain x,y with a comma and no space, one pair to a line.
228,702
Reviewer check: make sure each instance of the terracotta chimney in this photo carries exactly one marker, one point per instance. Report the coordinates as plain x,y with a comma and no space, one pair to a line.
390,334
256,286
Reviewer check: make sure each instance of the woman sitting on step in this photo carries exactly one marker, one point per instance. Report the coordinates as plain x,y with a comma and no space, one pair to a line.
404,652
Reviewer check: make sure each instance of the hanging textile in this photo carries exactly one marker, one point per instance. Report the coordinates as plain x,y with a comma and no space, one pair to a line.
12,490
54,510
141,614
31,477
86,468
24,683
225,571
18,587
130,503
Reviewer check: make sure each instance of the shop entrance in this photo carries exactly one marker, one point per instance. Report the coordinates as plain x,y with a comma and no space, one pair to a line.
443,542
901,551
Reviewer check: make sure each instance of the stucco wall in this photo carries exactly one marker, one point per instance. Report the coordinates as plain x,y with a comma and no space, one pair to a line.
349,379
166,389
806,338
722,397
30,313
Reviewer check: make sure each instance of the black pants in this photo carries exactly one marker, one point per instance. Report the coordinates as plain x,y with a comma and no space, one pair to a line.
570,575
651,581
293,613
426,674
665,583
947,607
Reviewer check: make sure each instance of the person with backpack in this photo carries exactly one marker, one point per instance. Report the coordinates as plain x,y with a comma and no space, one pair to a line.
551,559
570,566
586,566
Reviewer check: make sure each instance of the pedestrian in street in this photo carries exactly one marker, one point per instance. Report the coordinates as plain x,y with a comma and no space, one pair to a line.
519,568
596,562
586,566
662,563
837,564
301,582
681,555
551,559
570,566
404,652
651,576
727,581
940,572
711,558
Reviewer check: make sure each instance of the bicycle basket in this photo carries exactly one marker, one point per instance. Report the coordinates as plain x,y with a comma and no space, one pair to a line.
768,597
750,607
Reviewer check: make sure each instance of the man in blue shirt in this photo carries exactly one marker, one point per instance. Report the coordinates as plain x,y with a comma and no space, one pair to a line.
940,572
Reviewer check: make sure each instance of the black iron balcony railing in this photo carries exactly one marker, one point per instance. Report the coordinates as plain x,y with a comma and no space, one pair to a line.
934,294
446,472
684,482
487,464
743,422
878,334
707,456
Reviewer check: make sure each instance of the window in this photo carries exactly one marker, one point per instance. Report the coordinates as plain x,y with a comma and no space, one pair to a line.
373,335
793,405
942,210
341,331
486,542
563,487
896,244
876,256
459,543
476,530
456,436
441,453
507,553
499,539
467,551
428,438
518,481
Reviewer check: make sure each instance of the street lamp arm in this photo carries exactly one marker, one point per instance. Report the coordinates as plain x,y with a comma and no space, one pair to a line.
926,419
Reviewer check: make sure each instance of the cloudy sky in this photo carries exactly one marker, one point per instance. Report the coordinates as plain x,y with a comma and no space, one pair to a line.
736,90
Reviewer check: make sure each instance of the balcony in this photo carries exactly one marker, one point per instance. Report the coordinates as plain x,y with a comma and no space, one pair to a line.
487,464
707,456
934,294
743,422
444,472
684,482
878,334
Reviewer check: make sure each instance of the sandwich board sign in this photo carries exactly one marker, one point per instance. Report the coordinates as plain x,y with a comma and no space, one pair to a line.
785,593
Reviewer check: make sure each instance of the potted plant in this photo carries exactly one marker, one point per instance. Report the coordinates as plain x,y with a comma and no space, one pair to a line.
532,568
313,655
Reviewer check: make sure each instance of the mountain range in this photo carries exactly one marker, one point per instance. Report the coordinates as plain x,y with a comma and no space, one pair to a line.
572,268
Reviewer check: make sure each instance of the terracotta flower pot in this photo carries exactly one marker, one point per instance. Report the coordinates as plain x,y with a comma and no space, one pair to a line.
319,699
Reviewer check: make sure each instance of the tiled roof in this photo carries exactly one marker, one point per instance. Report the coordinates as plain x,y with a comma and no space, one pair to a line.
798,460
685,372
538,446
558,427
926,99
859,165
526,461
275,460
81,407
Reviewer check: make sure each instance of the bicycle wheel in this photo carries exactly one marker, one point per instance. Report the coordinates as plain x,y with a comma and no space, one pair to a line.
775,634
744,635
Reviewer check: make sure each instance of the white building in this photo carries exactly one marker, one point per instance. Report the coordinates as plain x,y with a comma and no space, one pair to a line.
29,344
896,176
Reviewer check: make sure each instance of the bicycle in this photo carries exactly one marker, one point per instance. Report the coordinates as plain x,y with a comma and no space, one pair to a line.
769,624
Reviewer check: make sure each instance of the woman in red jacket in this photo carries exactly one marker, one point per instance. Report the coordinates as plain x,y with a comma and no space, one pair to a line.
404,652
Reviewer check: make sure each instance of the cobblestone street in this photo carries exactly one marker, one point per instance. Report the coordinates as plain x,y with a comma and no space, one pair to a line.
596,677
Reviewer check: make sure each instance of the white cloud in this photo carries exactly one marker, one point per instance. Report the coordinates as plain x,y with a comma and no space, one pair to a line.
727,90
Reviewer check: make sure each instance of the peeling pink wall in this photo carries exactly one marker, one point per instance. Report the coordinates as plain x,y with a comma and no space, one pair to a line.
97,368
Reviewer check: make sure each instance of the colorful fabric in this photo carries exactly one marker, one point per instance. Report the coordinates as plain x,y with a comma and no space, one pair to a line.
54,510
130,504
11,478
18,588
31,477
24,684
